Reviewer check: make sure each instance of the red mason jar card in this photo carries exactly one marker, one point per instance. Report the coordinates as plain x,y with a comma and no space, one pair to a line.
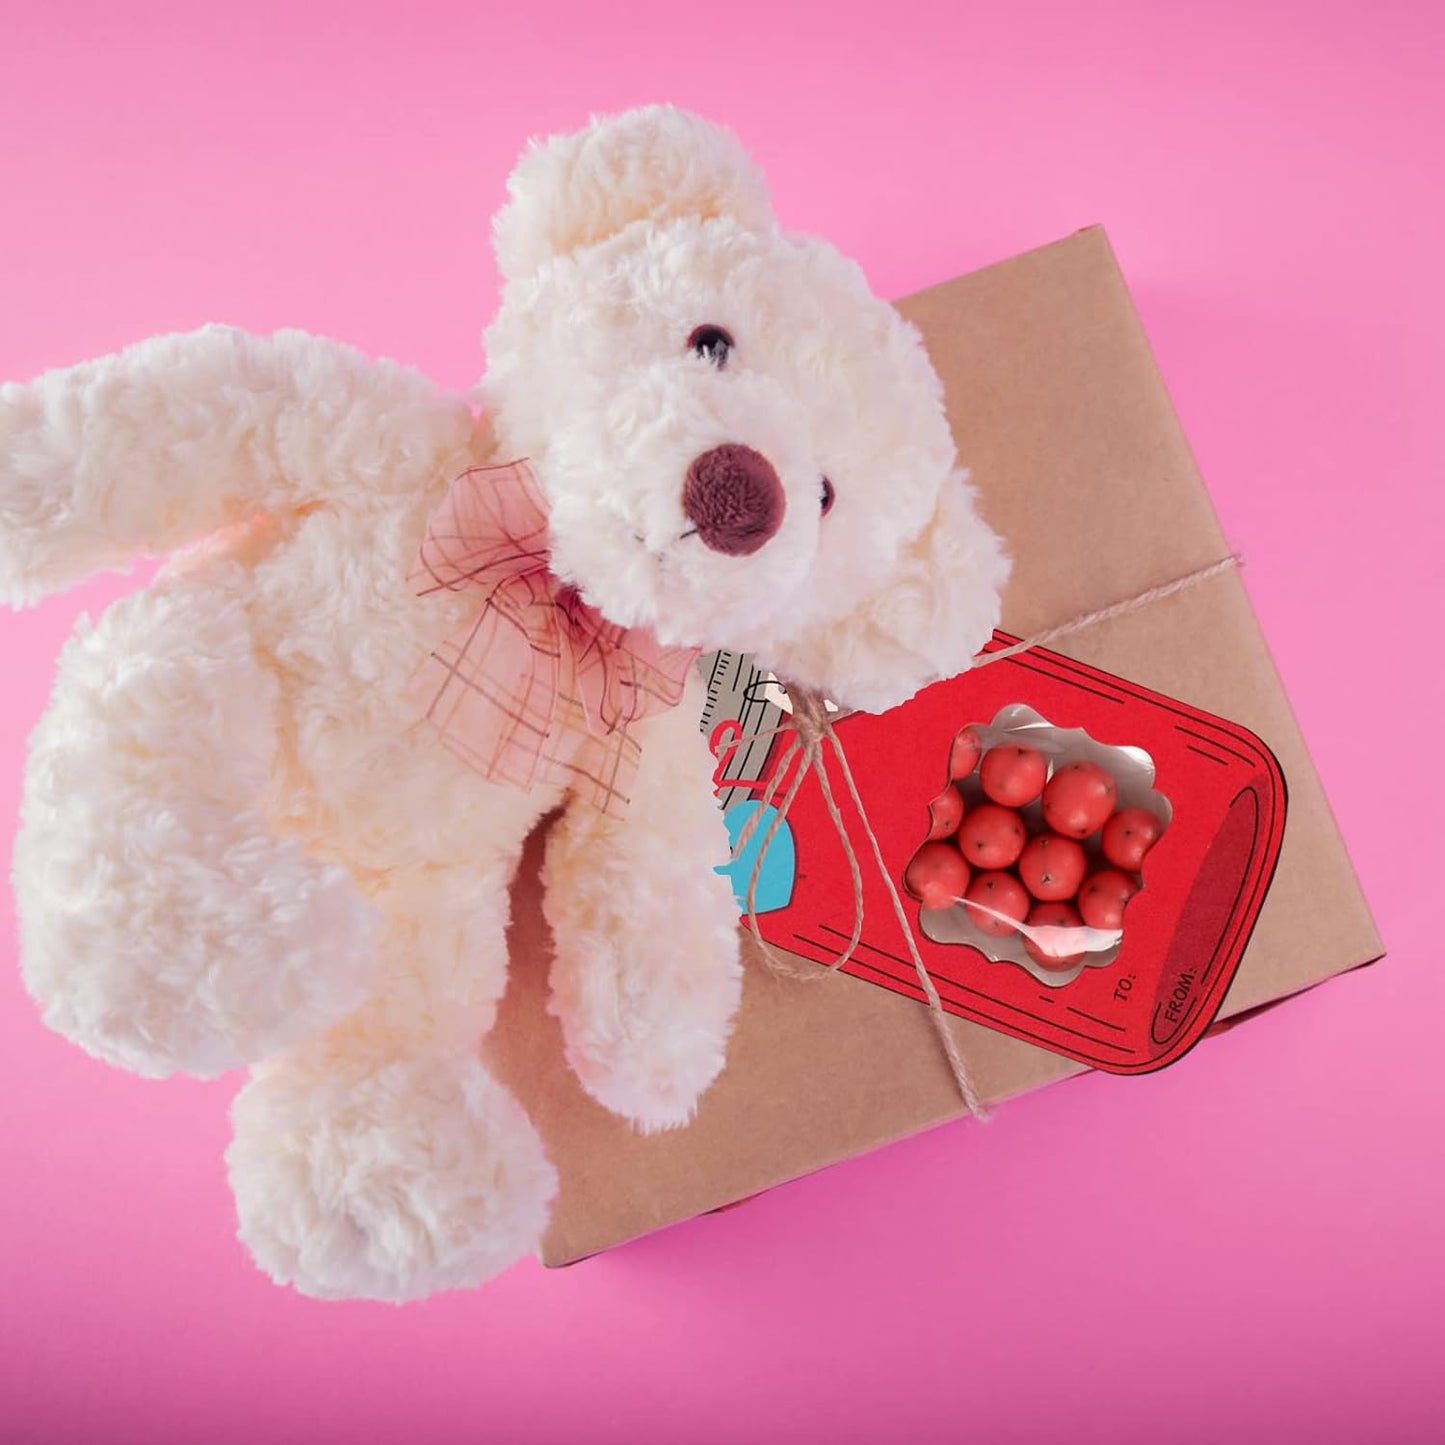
1124,983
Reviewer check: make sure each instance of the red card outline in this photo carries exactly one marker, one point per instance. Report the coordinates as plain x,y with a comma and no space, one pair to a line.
1185,933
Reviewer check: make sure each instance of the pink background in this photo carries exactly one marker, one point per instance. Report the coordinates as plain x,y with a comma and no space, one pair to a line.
1245,1247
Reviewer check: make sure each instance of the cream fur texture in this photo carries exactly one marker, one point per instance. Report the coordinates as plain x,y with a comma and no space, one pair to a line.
240,846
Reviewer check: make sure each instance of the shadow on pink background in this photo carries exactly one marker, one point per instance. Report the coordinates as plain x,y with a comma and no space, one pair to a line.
1246,1247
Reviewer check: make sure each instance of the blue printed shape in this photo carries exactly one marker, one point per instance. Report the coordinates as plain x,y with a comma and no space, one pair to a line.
775,880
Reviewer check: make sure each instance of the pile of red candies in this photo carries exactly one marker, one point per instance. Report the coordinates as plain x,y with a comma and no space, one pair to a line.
983,856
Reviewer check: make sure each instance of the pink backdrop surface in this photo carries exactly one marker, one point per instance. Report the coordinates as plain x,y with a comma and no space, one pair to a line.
1247,1246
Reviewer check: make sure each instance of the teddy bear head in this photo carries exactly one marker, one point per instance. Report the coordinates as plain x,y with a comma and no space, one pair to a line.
741,445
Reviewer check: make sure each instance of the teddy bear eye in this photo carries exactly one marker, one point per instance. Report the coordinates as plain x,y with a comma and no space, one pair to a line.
711,343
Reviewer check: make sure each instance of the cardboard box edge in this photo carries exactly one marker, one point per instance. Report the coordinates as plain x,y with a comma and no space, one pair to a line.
560,1260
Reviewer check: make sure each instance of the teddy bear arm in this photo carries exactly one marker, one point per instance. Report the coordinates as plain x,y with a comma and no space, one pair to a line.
647,974
175,437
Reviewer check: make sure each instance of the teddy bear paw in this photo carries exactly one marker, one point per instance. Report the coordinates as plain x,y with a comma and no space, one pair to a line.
385,1181
649,1072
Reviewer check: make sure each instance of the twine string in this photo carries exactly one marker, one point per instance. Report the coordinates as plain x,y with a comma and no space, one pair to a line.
810,725
1136,603
935,1005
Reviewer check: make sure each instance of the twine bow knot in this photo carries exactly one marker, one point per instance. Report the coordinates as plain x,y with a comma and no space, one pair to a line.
812,725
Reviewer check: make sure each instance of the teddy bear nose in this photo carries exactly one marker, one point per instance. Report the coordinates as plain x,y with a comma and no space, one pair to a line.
734,499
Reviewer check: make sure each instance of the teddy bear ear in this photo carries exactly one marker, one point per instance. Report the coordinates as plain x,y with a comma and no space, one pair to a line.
657,163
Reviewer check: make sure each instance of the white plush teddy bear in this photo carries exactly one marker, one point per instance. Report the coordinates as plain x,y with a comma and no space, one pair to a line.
243,841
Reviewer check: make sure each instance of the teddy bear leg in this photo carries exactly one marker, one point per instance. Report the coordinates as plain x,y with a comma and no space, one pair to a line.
384,1161
164,927
647,974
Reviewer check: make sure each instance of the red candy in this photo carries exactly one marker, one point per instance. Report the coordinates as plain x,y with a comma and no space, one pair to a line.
1079,798
1054,949
991,836
980,855
1052,867
937,875
1104,896
945,813
997,903
963,756
1128,836
1013,775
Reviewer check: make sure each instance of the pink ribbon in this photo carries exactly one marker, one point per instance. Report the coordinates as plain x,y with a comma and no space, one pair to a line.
538,689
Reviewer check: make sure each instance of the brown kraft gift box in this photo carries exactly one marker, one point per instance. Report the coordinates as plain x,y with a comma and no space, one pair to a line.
1062,418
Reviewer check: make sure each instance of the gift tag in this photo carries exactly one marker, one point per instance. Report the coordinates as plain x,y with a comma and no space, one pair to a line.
1115,943
737,706
778,866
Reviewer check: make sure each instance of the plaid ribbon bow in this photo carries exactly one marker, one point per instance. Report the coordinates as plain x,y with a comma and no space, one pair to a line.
539,688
